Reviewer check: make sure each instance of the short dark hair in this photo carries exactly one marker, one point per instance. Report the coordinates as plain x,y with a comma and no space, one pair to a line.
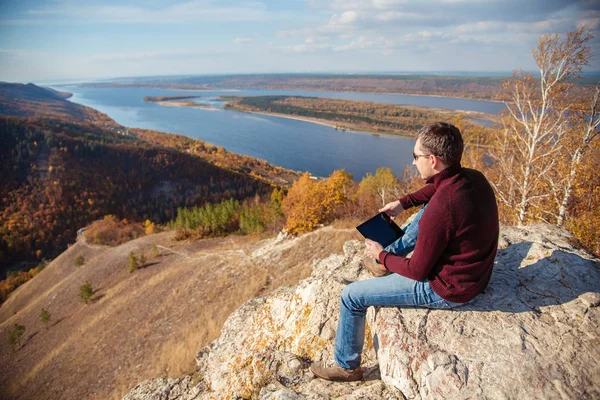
443,140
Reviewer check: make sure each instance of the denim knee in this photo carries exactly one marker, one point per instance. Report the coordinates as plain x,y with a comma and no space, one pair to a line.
349,301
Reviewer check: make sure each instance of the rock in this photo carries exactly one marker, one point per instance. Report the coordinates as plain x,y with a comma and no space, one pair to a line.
165,389
534,333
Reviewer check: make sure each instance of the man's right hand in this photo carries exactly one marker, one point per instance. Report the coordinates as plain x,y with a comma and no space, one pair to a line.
392,209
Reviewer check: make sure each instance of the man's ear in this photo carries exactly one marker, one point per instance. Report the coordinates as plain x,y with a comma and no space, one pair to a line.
436,163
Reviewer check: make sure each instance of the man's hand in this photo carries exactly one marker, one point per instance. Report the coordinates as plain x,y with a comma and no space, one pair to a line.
373,248
392,209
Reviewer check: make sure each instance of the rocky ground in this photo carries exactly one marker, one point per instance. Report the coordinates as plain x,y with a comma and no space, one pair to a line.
534,333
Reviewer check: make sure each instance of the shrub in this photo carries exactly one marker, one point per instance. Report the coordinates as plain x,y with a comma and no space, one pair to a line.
45,317
109,231
86,292
79,261
155,252
14,336
133,262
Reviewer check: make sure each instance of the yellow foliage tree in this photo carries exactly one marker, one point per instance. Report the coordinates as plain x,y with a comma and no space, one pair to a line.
310,203
378,189
149,227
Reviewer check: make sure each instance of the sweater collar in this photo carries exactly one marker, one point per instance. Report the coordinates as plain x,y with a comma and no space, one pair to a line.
441,176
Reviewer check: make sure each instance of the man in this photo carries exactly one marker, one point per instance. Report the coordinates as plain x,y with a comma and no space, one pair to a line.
454,237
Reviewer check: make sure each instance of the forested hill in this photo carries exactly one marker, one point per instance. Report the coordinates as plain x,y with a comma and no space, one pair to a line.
66,165
29,100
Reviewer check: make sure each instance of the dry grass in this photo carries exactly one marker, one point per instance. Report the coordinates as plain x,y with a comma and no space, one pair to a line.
142,325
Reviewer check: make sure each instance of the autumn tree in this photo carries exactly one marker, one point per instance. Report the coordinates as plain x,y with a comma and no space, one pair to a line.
537,124
582,132
310,203
381,187
149,227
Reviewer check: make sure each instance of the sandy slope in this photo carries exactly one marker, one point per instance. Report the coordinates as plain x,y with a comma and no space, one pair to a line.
146,324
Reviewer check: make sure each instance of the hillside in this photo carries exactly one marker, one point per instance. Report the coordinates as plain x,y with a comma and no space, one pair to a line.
143,325
63,175
29,100
66,165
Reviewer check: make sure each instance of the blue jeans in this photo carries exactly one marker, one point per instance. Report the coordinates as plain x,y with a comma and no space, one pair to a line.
393,290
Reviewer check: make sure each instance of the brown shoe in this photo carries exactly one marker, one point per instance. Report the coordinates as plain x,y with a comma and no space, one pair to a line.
375,267
336,373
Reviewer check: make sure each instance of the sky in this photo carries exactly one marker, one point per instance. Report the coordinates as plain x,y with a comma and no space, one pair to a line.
82,39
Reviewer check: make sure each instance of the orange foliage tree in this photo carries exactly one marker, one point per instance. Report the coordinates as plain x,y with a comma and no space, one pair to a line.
310,202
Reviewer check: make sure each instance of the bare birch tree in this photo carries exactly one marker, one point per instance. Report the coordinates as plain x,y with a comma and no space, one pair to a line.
536,123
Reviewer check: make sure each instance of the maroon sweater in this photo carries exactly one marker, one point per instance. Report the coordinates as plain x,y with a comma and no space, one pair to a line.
458,235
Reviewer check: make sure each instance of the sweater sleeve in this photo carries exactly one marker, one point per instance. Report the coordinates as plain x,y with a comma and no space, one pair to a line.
419,197
434,228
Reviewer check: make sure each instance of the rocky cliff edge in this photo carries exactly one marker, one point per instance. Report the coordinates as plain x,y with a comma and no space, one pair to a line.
534,333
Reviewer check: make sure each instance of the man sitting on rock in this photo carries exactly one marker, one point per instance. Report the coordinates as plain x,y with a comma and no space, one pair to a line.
454,237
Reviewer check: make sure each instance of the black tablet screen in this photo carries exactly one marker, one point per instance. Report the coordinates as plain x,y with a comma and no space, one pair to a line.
381,229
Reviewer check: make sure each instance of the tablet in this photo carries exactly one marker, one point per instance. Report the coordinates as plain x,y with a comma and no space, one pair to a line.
381,229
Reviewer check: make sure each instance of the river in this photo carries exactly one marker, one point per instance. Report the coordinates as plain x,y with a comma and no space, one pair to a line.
293,144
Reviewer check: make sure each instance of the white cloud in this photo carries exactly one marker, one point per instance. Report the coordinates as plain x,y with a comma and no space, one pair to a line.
302,48
242,40
286,34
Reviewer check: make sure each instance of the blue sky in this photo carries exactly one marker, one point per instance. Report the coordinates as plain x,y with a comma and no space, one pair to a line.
66,39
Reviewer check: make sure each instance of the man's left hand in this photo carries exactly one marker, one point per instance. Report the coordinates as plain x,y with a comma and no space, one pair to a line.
373,248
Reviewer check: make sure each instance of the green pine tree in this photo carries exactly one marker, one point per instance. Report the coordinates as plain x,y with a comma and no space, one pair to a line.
45,317
86,292
155,252
133,263
79,261
14,336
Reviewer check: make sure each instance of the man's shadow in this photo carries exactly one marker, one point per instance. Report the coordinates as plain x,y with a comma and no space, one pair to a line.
557,278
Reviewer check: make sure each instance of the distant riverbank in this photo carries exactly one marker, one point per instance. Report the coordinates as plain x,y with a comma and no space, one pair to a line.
340,114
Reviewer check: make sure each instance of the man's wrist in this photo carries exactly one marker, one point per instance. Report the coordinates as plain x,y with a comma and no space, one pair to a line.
380,261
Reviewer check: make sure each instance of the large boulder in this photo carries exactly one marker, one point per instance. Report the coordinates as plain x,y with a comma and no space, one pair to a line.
533,334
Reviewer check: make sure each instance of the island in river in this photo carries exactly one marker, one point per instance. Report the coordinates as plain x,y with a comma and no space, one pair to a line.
365,116
377,118
178,101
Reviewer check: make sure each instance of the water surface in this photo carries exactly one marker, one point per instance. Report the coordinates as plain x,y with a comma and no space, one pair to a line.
293,144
